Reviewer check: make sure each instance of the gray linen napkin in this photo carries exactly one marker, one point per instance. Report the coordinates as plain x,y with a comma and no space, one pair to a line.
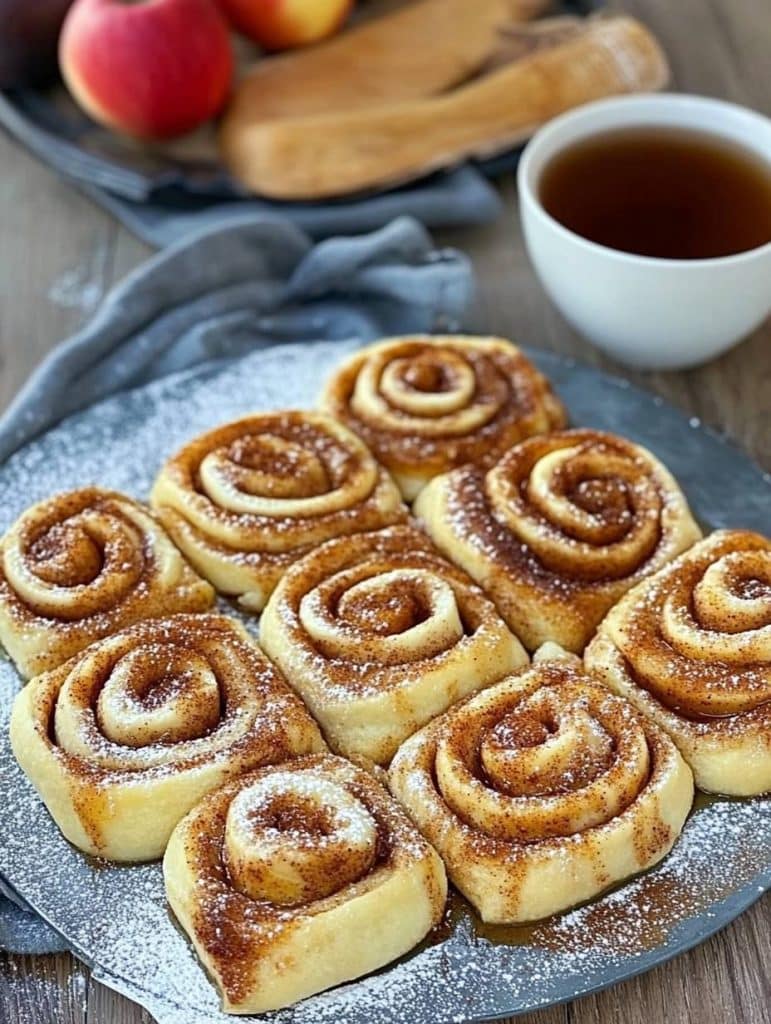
162,202
456,198
223,293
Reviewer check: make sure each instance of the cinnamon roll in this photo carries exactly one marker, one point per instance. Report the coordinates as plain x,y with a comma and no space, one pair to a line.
378,634
245,501
121,741
297,878
560,529
691,648
81,565
427,404
542,791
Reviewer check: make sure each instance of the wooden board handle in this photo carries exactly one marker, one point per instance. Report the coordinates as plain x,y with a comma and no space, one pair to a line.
331,155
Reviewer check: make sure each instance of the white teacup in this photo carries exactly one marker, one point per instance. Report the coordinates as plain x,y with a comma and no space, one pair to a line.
648,313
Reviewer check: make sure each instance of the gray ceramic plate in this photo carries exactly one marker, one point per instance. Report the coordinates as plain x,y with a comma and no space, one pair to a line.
186,175
116,919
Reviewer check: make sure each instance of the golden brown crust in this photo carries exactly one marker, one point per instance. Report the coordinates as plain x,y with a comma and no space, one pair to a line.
427,404
299,877
560,529
380,60
379,633
691,647
80,566
542,791
124,738
246,500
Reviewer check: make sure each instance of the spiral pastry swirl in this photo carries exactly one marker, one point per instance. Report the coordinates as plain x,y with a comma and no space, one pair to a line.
125,738
378,634
299,877
560,529
427,404
691,648
246,500
81,565
543,790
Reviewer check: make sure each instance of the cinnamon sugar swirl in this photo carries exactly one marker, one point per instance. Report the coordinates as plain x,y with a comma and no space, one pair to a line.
125,738
542,791
300,877
245,501
561,528
378,633
691,648
427,404
82,565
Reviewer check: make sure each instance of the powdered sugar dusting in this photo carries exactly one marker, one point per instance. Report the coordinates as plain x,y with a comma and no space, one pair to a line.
117,917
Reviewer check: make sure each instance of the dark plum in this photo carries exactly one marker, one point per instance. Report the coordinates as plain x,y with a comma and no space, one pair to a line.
29,34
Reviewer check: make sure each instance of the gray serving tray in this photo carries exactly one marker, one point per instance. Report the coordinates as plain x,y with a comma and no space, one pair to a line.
115,918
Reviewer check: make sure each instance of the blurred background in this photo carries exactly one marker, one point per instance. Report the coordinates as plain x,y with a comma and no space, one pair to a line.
60,252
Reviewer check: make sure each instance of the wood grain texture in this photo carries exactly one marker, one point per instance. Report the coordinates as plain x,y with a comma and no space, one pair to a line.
59,254
55,263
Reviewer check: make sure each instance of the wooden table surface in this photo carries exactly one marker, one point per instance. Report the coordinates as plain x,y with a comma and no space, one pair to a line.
58,257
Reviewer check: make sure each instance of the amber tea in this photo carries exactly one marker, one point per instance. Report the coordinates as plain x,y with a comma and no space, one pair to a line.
667,193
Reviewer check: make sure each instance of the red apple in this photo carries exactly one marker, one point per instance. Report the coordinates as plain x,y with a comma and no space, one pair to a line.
284,24
149,68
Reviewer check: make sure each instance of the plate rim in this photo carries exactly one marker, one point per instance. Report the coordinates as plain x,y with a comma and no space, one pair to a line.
713,918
